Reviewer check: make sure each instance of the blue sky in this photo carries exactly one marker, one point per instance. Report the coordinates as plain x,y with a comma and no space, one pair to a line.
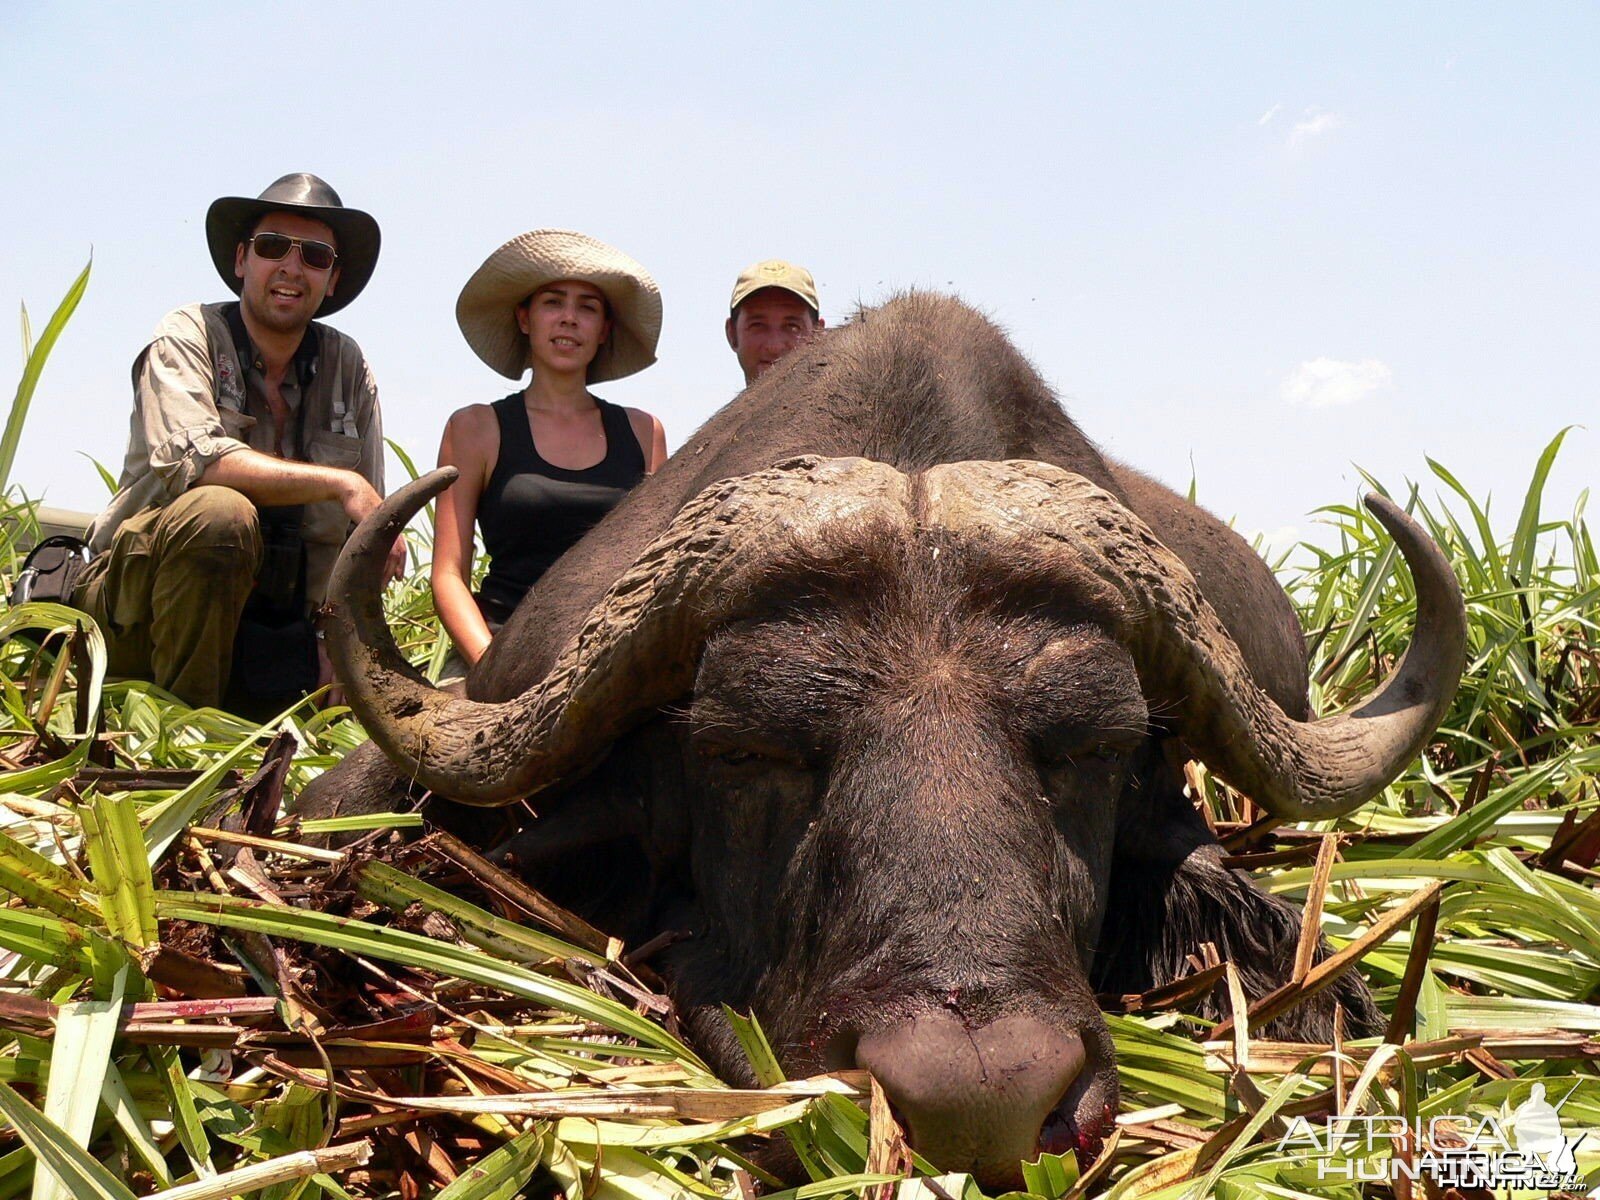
1254,243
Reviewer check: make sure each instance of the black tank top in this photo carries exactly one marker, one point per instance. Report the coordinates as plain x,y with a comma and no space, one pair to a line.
533,512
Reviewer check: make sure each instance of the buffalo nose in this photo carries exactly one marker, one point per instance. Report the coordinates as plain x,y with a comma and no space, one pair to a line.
973,1099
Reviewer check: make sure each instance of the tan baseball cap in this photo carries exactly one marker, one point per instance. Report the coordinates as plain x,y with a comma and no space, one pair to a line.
774,272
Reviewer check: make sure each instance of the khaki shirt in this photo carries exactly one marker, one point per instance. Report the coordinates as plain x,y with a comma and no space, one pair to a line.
194,401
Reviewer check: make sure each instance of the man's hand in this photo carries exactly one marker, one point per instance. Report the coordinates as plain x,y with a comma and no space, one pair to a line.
325,677
395,567
359,499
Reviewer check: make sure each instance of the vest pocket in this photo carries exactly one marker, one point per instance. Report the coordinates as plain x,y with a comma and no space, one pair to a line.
334,450
325,523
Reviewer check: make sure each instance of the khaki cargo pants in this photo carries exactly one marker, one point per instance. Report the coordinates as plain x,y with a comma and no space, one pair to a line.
170,590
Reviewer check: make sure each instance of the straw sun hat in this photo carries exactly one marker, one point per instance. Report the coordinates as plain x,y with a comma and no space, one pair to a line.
486,310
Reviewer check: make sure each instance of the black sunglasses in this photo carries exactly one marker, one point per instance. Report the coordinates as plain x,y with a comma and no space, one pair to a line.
319,256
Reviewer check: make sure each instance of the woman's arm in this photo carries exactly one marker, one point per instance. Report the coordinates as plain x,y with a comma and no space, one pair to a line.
652,439
471,444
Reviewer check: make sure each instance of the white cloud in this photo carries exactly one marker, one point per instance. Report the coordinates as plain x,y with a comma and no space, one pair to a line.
1266,117
1315,123
1326,382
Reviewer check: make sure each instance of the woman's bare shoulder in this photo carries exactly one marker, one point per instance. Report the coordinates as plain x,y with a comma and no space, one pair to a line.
651,436
474,418
474,425
471,440
643,423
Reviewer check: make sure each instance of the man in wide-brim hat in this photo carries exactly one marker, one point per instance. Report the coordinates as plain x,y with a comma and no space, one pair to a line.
256,444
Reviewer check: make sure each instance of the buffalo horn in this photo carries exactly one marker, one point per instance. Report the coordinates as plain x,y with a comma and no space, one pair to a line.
637,650
1295,770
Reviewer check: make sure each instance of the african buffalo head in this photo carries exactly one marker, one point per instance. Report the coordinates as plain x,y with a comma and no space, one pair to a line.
910,729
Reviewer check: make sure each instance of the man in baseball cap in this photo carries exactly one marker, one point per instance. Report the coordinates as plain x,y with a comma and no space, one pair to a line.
773,310
256,444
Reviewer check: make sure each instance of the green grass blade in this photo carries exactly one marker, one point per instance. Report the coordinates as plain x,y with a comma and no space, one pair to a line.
1359,618
173,816
502,1174
185,1110
1157,1067
1488,546
298,1118
45,941
841,1185
124,1109
84,1177
410,466
80,1054
383,884
405,458
1050,1174
106,477
120,870
1524,542
32,370
838,1132
756,1048
16,1172
65,621
1480,819
40,883
1509,1013
47,774
1279,1097
589,1131
753,1039
294,1168
363,823
395,945
628,1174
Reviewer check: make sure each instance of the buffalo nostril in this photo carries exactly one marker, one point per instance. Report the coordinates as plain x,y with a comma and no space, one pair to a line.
839,1053
974,1099
1058,1136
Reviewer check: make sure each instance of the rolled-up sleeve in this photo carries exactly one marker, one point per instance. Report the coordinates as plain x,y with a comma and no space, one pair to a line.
177,408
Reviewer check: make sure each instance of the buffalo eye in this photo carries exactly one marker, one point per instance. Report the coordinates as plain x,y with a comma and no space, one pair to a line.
1076,764
748,753
1096,759
1059,752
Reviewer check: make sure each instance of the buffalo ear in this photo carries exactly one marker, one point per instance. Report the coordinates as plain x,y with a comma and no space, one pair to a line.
362,783
613,844
580,821
1170,893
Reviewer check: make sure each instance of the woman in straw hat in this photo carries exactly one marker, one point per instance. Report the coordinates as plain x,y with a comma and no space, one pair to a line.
541,466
